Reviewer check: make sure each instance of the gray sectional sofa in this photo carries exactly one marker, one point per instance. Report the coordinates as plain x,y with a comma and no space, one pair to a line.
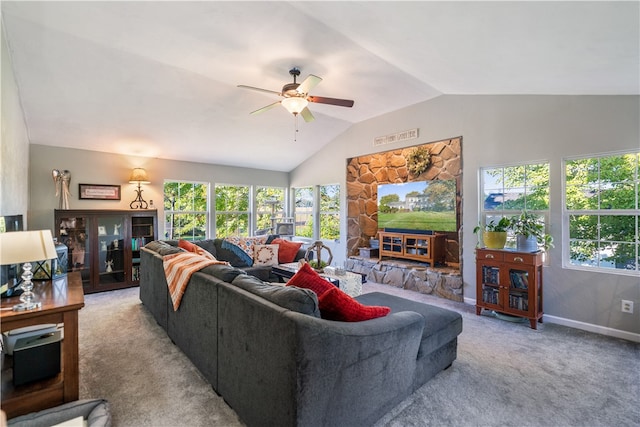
266,351
217,249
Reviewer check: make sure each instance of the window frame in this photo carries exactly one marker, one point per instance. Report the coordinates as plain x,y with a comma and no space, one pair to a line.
173,212
310,215
335,211
275,214
496,214
600,212
249,212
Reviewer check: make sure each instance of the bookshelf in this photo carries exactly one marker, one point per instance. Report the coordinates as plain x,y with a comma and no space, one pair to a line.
510,282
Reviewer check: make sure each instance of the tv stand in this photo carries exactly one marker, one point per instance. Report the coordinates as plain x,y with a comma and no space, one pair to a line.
419,247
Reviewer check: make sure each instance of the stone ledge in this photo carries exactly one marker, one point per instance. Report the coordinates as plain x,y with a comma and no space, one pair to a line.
445,282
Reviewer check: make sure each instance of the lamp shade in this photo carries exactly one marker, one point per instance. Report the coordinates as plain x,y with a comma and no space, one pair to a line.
139,175
294,104
26,246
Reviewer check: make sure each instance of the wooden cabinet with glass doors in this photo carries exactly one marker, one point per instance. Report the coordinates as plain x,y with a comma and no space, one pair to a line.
104,245
510,282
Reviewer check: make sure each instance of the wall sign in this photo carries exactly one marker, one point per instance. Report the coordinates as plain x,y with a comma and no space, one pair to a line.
396,137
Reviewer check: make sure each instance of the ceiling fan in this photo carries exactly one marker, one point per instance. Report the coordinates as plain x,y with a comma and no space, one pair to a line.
296,96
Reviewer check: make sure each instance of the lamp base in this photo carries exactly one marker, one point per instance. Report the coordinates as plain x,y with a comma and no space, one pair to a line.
26,306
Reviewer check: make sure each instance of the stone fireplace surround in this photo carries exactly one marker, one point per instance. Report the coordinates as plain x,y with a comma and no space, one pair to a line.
364,173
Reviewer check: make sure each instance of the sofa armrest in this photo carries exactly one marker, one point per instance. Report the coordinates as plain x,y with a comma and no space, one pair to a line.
95,411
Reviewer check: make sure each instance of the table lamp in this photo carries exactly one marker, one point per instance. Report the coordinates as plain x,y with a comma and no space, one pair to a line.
26,247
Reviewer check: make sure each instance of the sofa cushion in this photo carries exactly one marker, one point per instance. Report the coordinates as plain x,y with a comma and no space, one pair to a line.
208,245
334,303
191,247
226,273
163,248
265,255
287,250
441,325
295,299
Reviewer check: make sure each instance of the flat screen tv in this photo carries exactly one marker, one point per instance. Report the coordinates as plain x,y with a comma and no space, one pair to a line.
417,206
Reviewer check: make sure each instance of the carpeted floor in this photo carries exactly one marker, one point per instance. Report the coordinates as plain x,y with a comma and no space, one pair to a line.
506,374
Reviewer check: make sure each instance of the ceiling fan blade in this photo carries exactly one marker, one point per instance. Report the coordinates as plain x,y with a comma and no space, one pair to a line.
306,115
331,101
263,109
308,84
259,89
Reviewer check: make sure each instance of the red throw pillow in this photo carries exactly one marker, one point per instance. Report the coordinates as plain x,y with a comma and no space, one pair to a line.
287,250
187,246
307,278
334,303
337,305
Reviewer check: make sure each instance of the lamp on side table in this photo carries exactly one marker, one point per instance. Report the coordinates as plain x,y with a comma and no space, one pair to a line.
26,247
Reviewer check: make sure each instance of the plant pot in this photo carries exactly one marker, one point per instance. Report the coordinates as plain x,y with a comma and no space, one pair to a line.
494,239
526,244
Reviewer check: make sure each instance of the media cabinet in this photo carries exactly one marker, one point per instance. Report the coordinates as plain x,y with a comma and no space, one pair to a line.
419,247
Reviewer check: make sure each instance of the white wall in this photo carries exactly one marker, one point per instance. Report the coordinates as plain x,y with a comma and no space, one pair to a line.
499,130
14,144
92,167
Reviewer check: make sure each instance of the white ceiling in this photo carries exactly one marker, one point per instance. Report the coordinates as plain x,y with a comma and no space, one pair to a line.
159,79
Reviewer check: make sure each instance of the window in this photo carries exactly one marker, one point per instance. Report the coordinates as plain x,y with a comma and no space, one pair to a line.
303,211
602,210
186,210
269,209
232,210
330,212
509,190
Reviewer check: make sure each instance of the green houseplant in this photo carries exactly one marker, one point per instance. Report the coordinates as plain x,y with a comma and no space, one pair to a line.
494,234
529,231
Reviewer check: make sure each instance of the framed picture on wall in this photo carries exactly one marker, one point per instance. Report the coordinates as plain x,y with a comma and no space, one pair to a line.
99,191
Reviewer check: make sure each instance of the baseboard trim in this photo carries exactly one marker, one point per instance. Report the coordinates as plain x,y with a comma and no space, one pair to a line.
589,327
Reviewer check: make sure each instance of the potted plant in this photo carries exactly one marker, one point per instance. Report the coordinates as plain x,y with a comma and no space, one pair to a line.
494,234
529,231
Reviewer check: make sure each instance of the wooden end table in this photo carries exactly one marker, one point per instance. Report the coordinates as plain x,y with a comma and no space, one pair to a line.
61,300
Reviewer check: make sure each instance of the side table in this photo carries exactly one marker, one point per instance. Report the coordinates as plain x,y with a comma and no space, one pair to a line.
61,300
350,283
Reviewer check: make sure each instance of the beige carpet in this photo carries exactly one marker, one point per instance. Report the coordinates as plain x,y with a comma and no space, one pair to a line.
506,374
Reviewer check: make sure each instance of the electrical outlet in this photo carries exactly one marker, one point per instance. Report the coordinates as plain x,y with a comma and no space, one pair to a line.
627,306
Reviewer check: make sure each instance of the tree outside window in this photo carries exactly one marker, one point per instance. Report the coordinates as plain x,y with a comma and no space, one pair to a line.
186,210
509,190
232,210
602,212
330,212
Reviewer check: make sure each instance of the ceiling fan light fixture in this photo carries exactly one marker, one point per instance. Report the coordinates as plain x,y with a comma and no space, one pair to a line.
294,104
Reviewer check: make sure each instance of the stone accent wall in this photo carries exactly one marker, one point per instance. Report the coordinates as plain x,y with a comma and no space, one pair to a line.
442,282
364,173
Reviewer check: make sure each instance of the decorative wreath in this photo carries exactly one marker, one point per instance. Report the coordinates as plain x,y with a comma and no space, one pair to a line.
418,160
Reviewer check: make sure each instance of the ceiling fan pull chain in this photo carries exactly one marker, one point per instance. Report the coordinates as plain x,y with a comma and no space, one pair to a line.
295,129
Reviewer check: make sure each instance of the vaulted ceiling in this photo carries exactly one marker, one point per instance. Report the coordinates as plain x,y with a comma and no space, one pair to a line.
159,79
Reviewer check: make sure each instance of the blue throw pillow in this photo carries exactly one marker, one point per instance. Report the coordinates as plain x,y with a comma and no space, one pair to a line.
237,251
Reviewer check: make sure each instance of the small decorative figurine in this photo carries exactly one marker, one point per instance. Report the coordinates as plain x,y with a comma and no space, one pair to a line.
109,264
116,229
